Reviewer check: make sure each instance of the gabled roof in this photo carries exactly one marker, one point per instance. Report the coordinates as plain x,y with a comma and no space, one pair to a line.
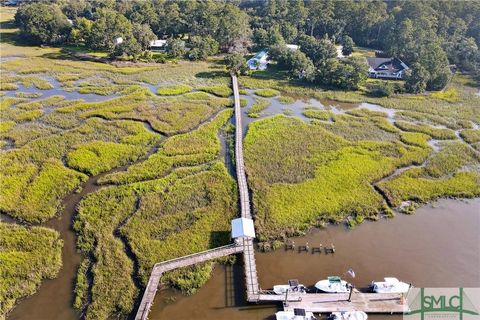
386,64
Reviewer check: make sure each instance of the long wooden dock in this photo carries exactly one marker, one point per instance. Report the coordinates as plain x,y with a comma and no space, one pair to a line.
161,267
312,302
251,279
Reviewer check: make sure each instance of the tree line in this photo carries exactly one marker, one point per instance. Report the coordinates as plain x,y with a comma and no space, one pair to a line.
427,35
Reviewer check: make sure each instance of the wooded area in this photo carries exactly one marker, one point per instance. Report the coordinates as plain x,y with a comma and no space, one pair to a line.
426,35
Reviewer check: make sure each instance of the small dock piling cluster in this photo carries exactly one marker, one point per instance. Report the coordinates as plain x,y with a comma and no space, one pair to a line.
290,246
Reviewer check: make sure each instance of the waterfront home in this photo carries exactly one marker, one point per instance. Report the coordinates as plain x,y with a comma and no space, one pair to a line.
158,45
386,68
260,60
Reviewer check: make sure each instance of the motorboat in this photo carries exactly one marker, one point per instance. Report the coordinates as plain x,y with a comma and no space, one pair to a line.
293,287
296,314
348,315
333,285
390,285
282,288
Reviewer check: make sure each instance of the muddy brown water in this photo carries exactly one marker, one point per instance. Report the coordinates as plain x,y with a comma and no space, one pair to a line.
438,246
54,298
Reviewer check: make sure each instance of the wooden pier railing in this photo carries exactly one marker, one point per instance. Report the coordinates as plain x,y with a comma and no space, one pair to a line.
161,267
251,279
244,245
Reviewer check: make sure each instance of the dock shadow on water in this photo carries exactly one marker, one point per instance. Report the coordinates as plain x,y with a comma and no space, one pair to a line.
438,246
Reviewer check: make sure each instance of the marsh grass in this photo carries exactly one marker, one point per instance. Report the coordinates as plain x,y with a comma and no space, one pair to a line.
437,133
267,93
324,115
35,251
219,91
173,90
258,106
470,135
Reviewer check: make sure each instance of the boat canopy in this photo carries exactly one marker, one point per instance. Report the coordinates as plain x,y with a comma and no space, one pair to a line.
334,279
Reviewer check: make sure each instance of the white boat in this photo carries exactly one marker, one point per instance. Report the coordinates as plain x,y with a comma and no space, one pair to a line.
297,314
282,288
333,285
390,285
348,315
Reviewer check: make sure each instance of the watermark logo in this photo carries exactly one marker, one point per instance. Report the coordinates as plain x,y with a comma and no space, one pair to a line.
443,303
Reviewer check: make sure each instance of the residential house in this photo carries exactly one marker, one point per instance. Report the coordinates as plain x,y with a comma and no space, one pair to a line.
260,60
158,45
386,68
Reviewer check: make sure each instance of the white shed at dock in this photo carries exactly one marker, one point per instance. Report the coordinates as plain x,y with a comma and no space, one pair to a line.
243,227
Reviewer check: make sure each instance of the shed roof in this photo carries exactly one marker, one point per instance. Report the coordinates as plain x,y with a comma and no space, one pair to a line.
243,227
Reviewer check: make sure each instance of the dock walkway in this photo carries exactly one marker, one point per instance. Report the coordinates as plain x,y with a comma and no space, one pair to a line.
162,267
251,279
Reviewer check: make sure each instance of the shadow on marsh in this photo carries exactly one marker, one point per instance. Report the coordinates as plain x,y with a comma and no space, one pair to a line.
211,74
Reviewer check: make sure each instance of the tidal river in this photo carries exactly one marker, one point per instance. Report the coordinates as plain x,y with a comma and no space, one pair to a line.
438,246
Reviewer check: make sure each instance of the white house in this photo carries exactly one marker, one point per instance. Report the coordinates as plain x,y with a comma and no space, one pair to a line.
158,45
386,68
260,60
339,49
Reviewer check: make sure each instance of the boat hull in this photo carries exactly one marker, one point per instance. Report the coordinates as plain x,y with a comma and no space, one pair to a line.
327,286
349,315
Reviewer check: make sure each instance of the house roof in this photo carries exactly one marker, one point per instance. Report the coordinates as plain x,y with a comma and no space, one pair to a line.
292,47
158,43
386,64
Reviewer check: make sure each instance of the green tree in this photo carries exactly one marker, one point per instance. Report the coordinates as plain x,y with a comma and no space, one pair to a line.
301,66
42,23
176,48
234,31
107,27
347,73
236,63
317,50
347,44
416,79
202,47
129,48
81,31
143,35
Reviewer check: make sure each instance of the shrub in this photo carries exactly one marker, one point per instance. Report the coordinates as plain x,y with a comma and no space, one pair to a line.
383,89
